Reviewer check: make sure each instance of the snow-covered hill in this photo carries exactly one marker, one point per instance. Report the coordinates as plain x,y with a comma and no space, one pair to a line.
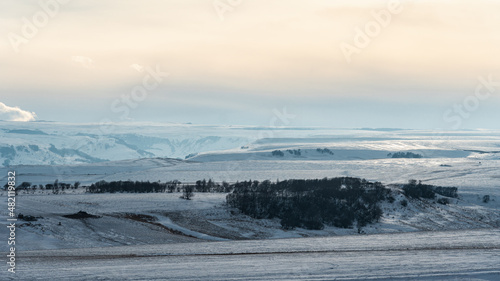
52,143
42,152
49,143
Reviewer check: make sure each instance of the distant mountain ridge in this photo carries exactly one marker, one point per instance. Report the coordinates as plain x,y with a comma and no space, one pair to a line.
58,144
54,143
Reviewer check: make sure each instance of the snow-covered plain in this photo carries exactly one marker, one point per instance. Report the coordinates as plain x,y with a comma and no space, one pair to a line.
162,237
463,255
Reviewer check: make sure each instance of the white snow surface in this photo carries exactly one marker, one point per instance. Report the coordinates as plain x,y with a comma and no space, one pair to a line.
462,255
162,237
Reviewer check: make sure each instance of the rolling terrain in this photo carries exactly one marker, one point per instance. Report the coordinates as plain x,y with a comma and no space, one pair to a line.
158,236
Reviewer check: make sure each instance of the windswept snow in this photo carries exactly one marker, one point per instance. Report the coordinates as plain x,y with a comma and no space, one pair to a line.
463,255
52,143
160,236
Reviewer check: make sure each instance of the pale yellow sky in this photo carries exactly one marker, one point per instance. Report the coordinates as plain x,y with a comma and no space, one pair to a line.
278,48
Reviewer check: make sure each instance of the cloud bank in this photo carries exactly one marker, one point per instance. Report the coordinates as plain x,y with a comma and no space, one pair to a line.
10,113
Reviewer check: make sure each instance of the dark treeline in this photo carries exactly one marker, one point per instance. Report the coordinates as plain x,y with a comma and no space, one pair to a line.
404,155
310,204
341,202
149,187
298,152
419,190
132,186
56,187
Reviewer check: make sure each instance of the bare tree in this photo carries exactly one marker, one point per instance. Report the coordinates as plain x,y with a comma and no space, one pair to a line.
188,192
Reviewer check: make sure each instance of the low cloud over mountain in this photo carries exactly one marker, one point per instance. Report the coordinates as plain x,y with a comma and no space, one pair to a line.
15,113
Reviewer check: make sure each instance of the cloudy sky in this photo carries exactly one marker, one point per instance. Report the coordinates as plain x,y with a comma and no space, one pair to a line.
419,64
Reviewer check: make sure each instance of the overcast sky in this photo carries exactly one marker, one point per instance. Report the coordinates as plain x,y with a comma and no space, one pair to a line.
93,60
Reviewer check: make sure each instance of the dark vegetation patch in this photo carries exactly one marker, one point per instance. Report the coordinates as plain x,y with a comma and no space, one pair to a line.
81,215
34,147
310,204
324,151
22,148
443,201
344,202
140,217
295,152
132,187
404,155
28,217
418,190
404,203
277,153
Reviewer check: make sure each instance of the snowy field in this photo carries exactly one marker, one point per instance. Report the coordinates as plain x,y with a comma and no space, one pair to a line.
160,218
163,237
41,152
463,255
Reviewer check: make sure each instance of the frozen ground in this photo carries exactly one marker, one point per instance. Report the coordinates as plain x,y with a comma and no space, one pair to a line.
452,255
468,159
159,236
53,143
156,218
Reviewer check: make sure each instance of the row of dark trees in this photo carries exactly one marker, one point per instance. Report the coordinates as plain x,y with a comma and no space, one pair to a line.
56,187
404,155
324,150
418,190
149,187
280,153
212,186
132,186
339,202
298,152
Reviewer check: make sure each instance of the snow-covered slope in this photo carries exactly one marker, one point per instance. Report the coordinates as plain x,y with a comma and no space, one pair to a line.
49,143
52,143
154,218
449,255
42,152
468,159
